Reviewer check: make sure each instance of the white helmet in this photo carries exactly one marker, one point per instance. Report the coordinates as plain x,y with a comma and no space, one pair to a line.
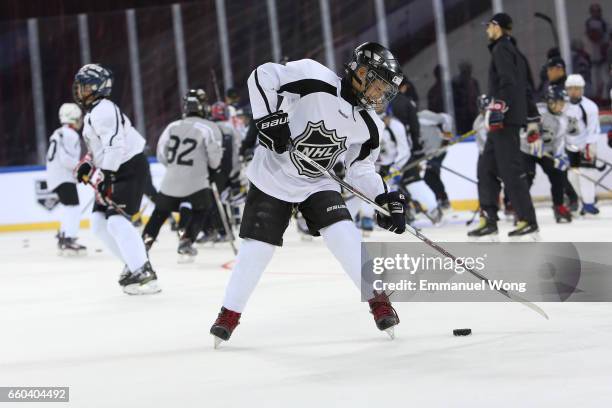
574,80
69,113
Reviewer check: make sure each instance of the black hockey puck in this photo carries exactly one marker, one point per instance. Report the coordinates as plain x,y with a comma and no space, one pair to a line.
462,332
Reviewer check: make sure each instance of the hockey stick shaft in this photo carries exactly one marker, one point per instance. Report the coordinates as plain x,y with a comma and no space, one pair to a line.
456,173
552,25
112,204
431,155
223,217
413,231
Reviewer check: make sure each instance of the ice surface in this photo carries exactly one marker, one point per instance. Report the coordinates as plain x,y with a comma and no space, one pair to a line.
305,339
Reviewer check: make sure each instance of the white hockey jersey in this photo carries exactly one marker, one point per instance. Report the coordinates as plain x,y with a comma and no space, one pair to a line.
394,146
110,137
588,113
62,156
188,147
553,130
323,125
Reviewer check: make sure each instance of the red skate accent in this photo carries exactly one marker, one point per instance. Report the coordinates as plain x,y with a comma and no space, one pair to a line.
384,314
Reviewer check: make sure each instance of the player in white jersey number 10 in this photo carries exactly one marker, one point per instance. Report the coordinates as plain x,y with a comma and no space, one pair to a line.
330,120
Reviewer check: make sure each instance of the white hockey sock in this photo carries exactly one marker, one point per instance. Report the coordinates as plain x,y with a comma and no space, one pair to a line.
367,210
100,229
70,219
423,194
252,259
353,204
344,241
128,241
587,187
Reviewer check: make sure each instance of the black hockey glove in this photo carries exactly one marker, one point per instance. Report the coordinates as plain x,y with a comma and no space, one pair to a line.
395,202
494,117
274,131
84,170
104,187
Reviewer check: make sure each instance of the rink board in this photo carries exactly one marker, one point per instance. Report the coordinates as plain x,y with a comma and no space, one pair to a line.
23,208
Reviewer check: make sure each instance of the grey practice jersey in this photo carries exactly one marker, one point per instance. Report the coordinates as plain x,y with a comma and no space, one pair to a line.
187,147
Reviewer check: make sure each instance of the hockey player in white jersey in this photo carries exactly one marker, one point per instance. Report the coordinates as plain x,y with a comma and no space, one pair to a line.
582,148
549,151
329,119
115,150
62,157
188,148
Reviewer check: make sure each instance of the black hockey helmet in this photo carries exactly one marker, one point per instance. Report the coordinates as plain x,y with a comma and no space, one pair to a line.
195,102
554,94
383,71
91,82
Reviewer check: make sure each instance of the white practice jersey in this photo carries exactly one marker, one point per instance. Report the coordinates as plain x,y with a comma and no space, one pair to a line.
553,130
323,125
480,128
110,137
394,145
62,156
432,126
588,114
188,147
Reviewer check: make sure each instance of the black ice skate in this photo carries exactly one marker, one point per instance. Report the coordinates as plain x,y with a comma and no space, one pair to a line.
562,214
525,231
69,246
487,229
187,252
224,326
141,282
123,277
385,316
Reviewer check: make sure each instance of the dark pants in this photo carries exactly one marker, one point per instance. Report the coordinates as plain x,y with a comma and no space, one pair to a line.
501,158
432,177
555,176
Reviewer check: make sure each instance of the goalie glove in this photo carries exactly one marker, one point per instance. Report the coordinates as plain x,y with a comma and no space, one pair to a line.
274,131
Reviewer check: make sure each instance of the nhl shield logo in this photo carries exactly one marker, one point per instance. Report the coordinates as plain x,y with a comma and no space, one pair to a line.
321,145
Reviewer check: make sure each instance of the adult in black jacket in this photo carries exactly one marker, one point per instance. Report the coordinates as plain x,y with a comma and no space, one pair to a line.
405,110
512,107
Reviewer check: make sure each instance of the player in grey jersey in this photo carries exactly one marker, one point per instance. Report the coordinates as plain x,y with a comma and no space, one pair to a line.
188,148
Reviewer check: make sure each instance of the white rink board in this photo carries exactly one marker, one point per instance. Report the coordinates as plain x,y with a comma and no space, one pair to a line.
20,205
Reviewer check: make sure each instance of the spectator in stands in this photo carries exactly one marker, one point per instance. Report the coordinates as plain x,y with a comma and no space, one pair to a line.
596,31
581,64
411,91
465,93
435,95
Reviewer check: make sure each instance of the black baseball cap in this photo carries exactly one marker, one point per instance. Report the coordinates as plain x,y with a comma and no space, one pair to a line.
555,61
501,19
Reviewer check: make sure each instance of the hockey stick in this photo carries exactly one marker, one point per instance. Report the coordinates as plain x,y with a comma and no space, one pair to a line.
552,25
430,155
412,231
112,204
223,217
471,220
456,173
597,183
